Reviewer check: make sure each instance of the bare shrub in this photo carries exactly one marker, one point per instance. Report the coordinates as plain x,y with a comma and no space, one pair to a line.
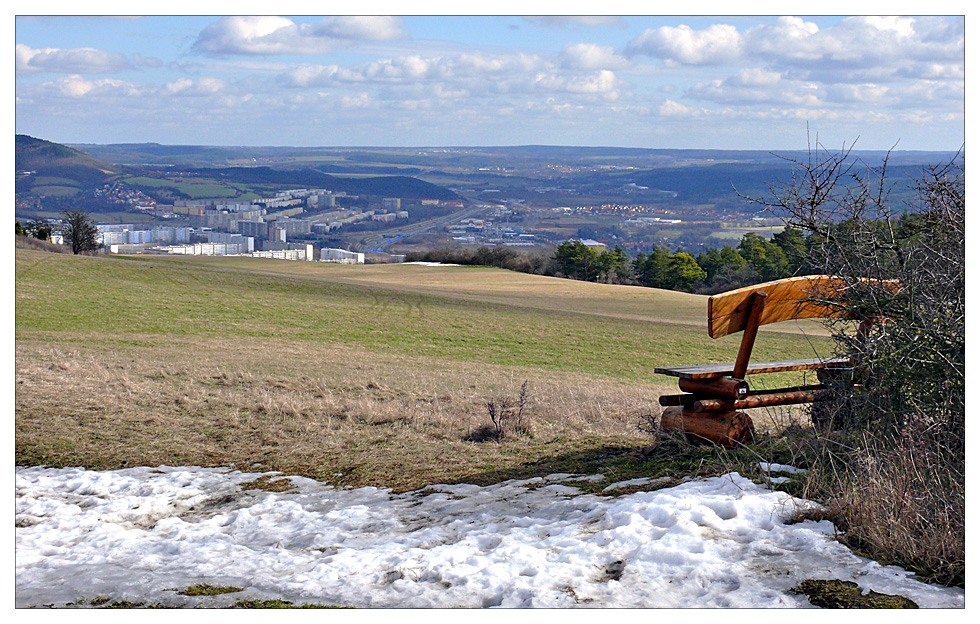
506,418
889,445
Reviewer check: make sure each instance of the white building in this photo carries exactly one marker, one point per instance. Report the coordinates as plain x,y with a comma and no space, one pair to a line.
341,256
247,243
205,249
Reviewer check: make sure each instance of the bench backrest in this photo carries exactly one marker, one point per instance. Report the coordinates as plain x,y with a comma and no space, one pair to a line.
786,299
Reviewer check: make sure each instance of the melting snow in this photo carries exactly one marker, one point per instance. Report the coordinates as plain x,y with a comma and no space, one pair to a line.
141,534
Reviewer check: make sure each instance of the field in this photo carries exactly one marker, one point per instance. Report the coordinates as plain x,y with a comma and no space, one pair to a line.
195,189
354,375
55,190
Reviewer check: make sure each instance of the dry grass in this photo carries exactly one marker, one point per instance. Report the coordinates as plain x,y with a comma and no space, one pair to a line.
899,505
338,414
26,242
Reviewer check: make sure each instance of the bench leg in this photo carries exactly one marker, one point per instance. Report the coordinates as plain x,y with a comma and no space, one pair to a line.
725,428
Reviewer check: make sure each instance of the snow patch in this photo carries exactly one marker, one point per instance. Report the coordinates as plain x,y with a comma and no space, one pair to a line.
142,534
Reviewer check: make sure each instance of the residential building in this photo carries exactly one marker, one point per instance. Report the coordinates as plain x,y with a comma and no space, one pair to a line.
341,256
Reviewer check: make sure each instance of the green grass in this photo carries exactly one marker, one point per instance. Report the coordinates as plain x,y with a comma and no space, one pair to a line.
193,189
203,589
55,191
836,594
107,300
53,181
150,182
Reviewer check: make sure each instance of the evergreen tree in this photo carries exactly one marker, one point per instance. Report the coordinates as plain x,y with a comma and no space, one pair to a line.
794,246
577,261
681,272
765,257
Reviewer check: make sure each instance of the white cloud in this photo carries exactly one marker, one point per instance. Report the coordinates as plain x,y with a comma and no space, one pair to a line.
670,108
871,94
77,87
70,61
356,100
719,44
755,77
853,50
462,74
201,87
360,28
279,35
591,56
756,86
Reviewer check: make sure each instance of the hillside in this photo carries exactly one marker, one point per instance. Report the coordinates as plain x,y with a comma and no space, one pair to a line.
31,153
56,169
357,375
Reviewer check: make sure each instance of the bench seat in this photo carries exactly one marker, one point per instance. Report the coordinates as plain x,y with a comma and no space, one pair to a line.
711,371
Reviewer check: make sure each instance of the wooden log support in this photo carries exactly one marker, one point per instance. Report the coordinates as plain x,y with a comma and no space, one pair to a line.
766,399
726,428
675,400
721,386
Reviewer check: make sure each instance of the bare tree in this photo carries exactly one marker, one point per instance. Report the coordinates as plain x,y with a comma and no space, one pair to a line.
79,232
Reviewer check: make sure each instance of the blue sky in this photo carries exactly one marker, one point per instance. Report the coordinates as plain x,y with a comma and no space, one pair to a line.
737,82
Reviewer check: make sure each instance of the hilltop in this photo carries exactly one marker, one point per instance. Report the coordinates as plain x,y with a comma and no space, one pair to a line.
37,154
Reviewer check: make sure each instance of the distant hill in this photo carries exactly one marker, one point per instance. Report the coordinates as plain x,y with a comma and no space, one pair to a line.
55,168
142,154
63,171
31,154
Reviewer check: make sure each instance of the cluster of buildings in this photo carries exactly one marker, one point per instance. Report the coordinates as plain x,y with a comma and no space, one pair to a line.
492,230
268,227
651,221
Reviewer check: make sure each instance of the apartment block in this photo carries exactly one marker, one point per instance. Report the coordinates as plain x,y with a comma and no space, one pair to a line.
341,256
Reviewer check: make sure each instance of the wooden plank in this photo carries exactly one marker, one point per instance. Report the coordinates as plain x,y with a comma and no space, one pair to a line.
787,299
710,371
674,400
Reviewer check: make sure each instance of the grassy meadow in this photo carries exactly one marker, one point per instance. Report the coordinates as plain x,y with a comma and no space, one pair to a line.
355,375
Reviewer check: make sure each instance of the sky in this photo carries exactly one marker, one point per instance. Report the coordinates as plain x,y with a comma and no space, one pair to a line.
736,82
144,534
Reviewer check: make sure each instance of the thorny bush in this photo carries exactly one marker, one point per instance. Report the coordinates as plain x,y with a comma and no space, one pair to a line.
889,446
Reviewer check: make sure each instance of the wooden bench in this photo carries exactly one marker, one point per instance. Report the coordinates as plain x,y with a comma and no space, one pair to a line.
714,393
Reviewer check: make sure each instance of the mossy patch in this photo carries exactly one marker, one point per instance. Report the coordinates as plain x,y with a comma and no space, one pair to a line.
267,483
280,604
203,589
836,594
107,603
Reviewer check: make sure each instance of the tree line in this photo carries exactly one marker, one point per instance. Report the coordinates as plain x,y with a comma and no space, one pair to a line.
755,259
